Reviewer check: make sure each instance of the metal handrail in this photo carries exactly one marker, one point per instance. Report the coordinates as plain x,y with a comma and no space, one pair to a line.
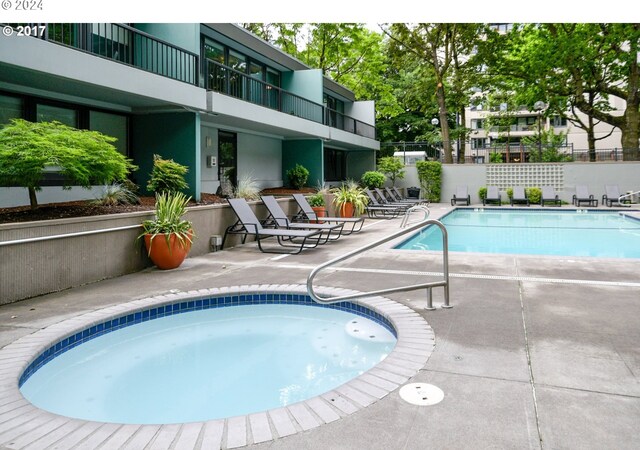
445,265
67,235
630,194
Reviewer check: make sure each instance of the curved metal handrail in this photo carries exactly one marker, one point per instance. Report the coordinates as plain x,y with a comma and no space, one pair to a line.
445,263
629,194
423,208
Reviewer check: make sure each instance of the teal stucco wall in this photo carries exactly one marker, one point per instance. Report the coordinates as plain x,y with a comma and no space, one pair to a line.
308,153
183,35
171,135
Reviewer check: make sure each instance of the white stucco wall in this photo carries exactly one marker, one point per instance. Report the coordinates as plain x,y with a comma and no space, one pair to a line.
261,158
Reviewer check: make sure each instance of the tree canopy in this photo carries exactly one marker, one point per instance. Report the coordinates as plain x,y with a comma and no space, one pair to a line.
84,158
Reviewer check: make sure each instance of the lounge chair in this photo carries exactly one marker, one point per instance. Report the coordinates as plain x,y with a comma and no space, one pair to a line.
582,195
377,210
612,195
519,196
248,224
392,197
461,195
307,213
493,196
387,202
549,195
278,218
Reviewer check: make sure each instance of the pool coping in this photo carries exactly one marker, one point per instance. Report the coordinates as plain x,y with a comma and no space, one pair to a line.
18,417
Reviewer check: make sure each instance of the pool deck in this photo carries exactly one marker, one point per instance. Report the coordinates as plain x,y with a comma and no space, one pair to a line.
537,352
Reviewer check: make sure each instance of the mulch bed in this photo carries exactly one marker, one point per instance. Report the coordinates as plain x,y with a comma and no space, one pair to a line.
84,208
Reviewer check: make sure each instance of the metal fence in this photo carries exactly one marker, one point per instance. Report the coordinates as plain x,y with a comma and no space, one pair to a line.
515,154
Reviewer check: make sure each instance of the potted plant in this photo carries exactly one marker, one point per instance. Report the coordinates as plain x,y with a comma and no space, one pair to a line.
350,199
168,236
316,201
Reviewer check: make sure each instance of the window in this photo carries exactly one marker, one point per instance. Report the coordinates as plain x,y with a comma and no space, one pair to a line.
10,108
335,164
479,143
557,121
48,113
114,125
477,124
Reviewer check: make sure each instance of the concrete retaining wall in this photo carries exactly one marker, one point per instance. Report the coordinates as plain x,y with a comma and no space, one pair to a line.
37,268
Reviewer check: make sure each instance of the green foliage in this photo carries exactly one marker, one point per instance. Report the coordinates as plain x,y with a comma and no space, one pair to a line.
83,157
392,167
534,194
510,193
167,176
316,200
550,143
170,207
430,176
298,176
350,192
373,179
495,157
247,188
117,194
482,192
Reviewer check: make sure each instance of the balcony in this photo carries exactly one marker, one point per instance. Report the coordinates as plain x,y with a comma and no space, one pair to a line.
224,80
126,45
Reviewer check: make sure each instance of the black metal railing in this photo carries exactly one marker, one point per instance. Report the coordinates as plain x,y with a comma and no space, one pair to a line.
518,153
228,81
125,45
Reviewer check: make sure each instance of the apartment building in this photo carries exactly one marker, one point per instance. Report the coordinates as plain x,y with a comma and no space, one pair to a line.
213,97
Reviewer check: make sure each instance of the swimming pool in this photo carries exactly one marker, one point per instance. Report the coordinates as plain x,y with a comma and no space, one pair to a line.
608,234
211,363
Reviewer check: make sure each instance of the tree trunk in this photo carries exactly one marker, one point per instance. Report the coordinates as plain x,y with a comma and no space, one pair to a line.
444,124
630,134
462,142
591,139
33,201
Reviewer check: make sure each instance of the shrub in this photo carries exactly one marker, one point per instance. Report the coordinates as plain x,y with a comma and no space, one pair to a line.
117,194
482,192
167,176
495,157
373,179
510,193
298,176
392,167
534,194
316,200
247,188
430,176
84,158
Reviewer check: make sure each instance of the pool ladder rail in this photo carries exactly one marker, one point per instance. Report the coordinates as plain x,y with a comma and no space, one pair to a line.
429,286
627,195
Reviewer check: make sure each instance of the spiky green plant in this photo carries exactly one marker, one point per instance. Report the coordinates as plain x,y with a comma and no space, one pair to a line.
247,188
170,207
117,194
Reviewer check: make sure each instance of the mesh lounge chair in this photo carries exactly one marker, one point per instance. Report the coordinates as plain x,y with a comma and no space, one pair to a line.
549,195
519,196
377,210
384,201
493,196
612,195
279,219
392,197
248,224
582,195
461,196
307,213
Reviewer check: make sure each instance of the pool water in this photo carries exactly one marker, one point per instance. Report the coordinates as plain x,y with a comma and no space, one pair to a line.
209,364
534,232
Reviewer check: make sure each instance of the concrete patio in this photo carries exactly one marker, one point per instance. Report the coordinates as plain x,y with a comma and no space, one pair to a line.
537,352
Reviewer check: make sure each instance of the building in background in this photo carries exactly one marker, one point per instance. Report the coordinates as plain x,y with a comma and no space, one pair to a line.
213,97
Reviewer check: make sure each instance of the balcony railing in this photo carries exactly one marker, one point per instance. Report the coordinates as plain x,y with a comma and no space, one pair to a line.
228,81
125,45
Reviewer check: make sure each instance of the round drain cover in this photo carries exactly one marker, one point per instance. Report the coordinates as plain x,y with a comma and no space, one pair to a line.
421,394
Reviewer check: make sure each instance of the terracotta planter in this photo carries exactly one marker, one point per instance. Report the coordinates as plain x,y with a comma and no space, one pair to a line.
167,256
320,212
347,210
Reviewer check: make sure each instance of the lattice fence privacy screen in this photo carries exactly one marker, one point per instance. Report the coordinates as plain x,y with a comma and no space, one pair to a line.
527,175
